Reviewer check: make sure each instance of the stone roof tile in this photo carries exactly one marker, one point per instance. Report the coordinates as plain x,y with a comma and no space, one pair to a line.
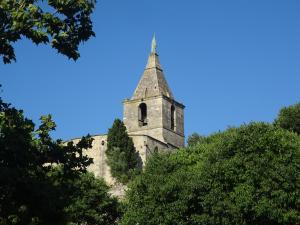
153,82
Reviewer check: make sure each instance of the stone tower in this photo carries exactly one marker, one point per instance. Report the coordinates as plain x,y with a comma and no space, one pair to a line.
154,121
152,111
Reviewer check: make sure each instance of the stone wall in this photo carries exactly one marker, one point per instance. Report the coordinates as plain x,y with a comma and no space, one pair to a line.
158,119
173,136
154,117
99,166
145,145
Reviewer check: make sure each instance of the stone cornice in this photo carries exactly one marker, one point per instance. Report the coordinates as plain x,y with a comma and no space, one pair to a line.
129,101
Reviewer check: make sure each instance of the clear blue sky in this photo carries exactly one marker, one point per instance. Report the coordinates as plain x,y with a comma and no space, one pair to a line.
230,62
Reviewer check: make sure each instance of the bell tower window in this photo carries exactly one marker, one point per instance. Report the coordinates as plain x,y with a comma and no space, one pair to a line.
143,121
173,116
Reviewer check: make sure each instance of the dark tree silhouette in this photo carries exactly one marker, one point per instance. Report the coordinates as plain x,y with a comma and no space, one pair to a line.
63,24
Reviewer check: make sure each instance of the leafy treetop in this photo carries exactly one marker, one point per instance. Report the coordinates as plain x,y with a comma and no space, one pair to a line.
193,139
44,181
121,154
63,24
246,176
289,118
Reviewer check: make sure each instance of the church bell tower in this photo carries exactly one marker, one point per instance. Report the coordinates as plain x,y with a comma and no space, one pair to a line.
152,111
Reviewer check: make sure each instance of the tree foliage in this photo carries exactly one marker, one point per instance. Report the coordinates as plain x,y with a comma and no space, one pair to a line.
194,139
121,154
289,118
158,195
246,176
91,204
63,24
38,175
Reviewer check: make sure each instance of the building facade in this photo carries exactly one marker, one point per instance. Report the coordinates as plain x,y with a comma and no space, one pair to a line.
153,118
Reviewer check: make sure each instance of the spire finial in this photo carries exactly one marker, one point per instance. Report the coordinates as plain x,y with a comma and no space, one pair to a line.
154,45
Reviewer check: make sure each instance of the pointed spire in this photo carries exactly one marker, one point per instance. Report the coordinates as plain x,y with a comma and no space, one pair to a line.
153,82
154,45
153,60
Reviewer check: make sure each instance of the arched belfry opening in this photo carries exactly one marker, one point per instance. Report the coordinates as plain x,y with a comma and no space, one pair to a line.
143,121
173,117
